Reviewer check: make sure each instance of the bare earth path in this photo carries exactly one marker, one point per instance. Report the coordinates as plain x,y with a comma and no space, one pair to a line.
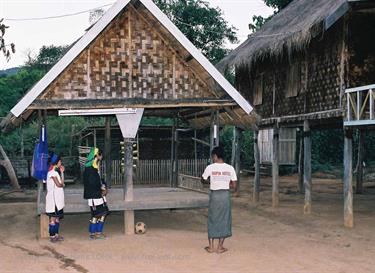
264,240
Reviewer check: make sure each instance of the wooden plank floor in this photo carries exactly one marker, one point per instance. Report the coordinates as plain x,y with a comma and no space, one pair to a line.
144,199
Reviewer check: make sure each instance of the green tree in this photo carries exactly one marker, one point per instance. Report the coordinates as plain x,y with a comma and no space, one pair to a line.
46,58
203,25
13,87
258,21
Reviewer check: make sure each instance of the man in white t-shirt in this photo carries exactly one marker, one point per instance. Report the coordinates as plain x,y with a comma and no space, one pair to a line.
222,177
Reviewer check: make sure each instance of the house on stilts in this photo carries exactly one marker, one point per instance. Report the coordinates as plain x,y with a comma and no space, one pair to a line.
311,67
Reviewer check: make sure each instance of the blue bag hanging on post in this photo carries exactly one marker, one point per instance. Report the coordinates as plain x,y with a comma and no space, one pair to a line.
39,167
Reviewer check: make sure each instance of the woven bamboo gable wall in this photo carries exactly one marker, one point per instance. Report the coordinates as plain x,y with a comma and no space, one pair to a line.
130,59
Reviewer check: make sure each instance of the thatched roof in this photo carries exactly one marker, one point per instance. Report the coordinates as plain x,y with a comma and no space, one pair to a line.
291,29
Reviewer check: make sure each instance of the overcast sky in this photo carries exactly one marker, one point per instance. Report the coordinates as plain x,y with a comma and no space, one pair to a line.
31,35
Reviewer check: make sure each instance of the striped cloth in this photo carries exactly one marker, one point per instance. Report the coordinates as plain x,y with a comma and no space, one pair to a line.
219,214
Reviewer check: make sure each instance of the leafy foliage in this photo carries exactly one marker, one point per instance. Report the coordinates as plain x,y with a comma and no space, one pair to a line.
203,25
13,87
277,4
258,21
46,58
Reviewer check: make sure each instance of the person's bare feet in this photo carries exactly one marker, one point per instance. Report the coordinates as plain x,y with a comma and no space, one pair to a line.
209,249
222,250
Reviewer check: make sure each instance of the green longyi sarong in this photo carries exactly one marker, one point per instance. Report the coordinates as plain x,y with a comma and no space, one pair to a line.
219,214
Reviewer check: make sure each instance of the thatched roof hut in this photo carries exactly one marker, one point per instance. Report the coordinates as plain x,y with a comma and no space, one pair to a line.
291,29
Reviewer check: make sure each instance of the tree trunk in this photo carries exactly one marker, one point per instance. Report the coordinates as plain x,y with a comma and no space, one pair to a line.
9,168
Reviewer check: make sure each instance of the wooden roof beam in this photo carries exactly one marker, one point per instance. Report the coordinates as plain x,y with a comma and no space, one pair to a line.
129,103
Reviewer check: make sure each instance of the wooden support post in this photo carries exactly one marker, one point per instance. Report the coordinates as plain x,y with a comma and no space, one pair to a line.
238,159
361,148
43,218
22,141
307,166
128,186
43,226
234,142
173,146
348,178
107,151
176,167
300,162
45,118
195,155
257,168
174,155
275,167
216,129
94,135
129,222
211,134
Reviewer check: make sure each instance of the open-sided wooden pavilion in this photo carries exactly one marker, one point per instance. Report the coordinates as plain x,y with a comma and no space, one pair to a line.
134,57
311,67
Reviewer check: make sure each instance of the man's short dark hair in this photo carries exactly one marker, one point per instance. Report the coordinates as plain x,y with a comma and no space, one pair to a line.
218,151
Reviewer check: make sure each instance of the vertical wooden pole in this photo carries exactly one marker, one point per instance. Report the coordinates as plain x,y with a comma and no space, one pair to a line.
43,226
43,218
238,160
44,122
234,141
22,141
128,186
361,148
94,137
40,118
275,167
176,166
195,155
211,134
45,118
107,151
173,145
300,162
216,129
307,166
71,139
257,168
348,178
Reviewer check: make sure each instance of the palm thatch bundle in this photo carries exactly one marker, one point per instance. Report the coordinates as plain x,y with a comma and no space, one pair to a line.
291,29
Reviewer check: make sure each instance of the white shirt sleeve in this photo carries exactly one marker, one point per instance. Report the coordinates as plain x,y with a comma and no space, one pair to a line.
206,173
233,176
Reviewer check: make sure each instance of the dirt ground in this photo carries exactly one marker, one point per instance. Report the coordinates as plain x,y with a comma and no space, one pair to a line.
264,239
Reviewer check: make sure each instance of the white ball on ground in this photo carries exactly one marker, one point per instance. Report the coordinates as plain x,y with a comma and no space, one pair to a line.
140,228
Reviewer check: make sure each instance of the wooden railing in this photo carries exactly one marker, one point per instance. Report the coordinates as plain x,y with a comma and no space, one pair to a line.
156,172
360,106
191,183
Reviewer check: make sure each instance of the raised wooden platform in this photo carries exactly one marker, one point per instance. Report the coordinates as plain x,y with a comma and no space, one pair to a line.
143,199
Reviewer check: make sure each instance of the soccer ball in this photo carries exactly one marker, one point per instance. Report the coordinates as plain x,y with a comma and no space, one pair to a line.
140,228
